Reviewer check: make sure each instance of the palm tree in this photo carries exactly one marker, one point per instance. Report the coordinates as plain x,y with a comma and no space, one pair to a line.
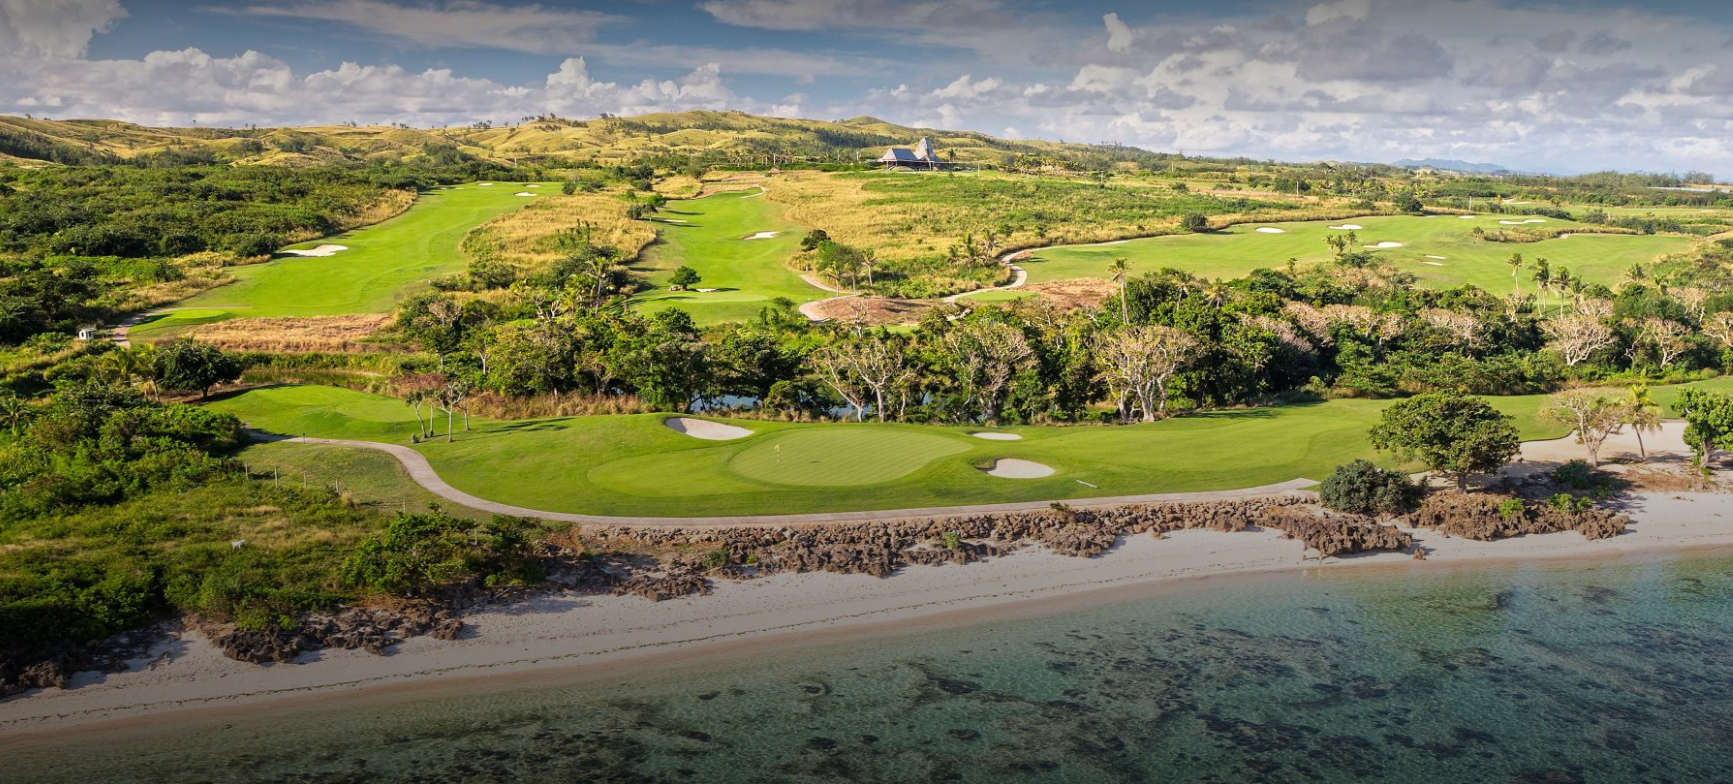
1543,276
1515,262
1640,413
1120,269
1215,293
1636,275
13,410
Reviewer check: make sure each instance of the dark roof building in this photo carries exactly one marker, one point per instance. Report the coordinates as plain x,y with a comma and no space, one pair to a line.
921,155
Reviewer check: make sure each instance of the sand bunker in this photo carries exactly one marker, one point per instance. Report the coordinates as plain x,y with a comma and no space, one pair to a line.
1431,263
1386,245
998,436
321,251
1270,230
1466,217
1437,258
535,186
764,235
1348,227
525,193
484,185
672,220
1012,468
1523,222
705,429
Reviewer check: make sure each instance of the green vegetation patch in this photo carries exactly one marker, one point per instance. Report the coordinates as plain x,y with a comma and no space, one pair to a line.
711,236
843,456
1460,257
383,264
633,465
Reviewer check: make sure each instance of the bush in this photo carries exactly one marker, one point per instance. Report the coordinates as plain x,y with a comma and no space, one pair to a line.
1194,222
1363,488
1576,474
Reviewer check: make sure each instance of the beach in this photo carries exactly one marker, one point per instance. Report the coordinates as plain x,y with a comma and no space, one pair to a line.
564,635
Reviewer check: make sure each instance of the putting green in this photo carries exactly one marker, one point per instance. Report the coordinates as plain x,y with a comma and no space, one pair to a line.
843,457
634,465
710,235
1439,250
385,264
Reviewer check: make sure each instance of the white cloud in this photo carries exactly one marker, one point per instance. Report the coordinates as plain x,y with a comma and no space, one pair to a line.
458,23
893,16
964,88
1118,33
1322,13
54,28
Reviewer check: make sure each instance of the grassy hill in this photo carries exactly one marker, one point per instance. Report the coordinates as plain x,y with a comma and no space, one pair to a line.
716,137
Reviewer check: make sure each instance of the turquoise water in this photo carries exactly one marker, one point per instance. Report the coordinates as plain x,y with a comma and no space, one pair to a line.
1610,672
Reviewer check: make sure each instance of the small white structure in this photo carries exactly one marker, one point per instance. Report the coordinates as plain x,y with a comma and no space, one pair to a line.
87,333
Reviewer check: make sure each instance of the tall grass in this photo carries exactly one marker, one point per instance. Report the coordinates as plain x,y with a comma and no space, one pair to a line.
527,238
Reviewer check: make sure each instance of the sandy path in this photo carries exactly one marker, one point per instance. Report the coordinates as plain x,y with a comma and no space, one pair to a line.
122,330
568,636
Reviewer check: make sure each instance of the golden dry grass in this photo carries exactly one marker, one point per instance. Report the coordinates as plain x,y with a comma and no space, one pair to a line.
679,186
526,239
896,229
320,333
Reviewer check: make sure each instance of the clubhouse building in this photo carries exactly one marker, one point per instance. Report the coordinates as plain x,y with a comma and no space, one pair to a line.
921,156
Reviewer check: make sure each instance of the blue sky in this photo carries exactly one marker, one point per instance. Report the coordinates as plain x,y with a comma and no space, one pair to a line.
1556,86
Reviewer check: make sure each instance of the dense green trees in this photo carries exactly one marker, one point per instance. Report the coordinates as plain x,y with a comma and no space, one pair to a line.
1450,433
420,553
187,365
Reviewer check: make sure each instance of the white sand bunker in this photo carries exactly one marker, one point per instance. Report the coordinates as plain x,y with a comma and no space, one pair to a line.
535,186
525,193
1347,227
1466,217
484,185
1523,222
707,291
705,429
319,252
998,436
1431,263
1012,468
1386,245
764,235
1437,258
1270,230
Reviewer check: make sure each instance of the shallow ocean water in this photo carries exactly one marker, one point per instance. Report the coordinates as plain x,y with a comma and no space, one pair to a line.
1592,672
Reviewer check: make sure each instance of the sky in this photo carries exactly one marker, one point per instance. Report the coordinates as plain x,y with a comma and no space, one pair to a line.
1544,86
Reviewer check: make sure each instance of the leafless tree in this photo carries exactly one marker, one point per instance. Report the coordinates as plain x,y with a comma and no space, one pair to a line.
1140,362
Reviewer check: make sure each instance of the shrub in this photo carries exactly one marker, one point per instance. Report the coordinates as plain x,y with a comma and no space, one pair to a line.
1511,509
1194,222
1363,488
1576,474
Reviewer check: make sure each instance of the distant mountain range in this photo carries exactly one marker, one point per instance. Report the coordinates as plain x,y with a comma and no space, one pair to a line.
1447,164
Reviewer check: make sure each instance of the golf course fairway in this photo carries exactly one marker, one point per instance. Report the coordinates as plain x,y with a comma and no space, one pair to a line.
382,265
1438,250
739,243
635,466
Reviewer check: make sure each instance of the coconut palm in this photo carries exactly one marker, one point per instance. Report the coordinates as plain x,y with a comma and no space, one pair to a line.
13,410
1515,262
1640,413
1120,269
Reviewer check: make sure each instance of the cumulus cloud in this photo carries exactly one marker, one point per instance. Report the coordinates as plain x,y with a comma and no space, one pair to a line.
893,15
458,23
1322,13
54,28
1556,43
1118,33
1602,42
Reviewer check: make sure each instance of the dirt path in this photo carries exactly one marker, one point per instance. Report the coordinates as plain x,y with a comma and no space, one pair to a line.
1020,281
423,474
124,328
811,309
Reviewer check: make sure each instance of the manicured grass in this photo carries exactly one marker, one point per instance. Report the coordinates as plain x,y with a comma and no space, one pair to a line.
385,263
633,465
711,238
1237,251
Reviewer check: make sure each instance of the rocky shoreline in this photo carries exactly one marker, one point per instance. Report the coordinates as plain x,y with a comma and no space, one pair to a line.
672,562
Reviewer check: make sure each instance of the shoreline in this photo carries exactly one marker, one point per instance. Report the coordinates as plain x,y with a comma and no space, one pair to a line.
575,638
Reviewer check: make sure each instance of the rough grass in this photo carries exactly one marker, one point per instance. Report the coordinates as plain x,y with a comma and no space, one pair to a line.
919,215
319,333
1235,252
526,238
712,240
633,465
365,478
385,264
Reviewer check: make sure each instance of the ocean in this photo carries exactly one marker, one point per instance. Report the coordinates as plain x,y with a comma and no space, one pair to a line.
1582,671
